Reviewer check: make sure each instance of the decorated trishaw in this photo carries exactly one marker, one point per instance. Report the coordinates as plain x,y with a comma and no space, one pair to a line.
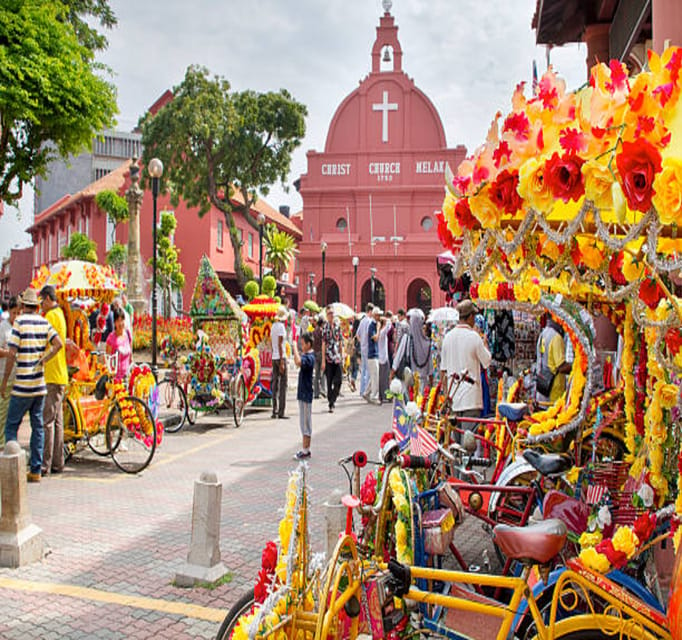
216,375
111,417
570,208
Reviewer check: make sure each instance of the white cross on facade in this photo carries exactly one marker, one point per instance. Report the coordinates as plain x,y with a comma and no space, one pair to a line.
385,107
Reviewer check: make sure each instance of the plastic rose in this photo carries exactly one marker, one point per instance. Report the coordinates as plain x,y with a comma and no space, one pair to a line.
646,493
532,186
626,541
463,216
603,517
669,395
564,177
412,409
590,539
484,209
396,386
504,194
594,560
668,188
638,163
598,180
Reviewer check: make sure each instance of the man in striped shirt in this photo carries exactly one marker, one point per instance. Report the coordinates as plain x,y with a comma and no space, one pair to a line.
28,345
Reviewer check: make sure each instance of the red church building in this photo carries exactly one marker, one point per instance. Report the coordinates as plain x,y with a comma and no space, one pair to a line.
369,198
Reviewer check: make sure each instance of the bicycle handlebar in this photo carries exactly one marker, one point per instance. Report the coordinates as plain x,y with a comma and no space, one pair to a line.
414,462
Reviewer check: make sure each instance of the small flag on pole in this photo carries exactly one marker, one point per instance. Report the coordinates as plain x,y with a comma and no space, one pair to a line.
535,78
408,433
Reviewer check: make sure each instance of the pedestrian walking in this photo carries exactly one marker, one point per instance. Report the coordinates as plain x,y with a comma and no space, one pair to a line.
56,379
385,328
278,385
364,346
417,345
319,381
306,363
33,343
372,392
464,350
13,309
332,352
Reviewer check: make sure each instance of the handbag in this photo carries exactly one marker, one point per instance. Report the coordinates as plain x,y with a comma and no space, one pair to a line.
544,380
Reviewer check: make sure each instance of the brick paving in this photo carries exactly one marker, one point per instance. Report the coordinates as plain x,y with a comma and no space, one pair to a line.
128,535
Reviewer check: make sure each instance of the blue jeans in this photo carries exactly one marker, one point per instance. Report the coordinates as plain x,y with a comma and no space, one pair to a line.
364,374
18,406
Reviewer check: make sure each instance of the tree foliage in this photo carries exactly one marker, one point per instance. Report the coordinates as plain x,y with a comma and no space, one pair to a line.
77,10
80,247
169,274
52,100
280,249
117,256
115,206
221,148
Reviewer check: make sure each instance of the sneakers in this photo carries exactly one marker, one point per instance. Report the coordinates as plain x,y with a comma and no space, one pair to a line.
32,477
302,455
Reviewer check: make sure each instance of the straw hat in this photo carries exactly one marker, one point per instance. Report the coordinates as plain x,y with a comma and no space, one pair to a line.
30,298
466,308
281,314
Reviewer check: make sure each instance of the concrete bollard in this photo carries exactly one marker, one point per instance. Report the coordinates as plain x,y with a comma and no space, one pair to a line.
21,542
335,520
203,560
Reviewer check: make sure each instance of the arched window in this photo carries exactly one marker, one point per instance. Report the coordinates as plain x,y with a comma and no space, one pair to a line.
419,295
341,224
427,223
330,291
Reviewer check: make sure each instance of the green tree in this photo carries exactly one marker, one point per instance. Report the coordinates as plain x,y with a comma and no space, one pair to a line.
80,247
52,98
115,206
280,249
216,144
117,256
169,274
80,14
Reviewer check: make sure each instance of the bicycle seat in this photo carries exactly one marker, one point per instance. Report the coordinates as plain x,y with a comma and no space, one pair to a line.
548,464
513,411
534,543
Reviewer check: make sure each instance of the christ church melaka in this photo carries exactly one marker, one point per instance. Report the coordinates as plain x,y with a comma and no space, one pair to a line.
369,198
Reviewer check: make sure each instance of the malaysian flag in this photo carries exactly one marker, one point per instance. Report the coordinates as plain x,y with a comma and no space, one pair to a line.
408,433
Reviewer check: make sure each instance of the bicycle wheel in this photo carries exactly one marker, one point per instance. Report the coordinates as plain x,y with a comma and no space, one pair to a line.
132,441
172,406
97,440
70,426
239,397
242,606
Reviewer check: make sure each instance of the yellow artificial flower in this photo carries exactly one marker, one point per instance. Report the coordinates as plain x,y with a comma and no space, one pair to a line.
594,560
633,268
590,252
618,199
484,209
590,539
598,181
532,187
285,527
668,192
625,540
669,394
572,476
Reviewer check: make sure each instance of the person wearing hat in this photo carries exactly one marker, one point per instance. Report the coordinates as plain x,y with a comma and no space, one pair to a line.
33,343
278,336
464,350
56,379
372,392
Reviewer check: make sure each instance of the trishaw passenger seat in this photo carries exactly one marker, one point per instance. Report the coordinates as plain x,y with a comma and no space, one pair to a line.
513,411
534,543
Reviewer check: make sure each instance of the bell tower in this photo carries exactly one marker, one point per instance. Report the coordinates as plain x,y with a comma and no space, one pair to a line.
386,45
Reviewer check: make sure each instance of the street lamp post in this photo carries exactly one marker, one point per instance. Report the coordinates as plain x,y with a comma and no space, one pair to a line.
356,262
373,270
261,221
155,169
323,247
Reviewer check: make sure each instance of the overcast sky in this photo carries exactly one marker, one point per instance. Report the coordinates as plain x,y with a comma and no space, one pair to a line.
466,55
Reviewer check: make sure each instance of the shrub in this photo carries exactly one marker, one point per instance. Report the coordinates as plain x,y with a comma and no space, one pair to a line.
251,289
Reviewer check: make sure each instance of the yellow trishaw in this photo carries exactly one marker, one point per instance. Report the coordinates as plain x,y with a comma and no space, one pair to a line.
105,415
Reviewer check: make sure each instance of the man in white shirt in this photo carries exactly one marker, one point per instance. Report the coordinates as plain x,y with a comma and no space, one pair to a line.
278,385
464,350
361,334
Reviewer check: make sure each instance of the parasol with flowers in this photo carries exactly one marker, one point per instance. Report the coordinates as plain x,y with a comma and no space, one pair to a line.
76,279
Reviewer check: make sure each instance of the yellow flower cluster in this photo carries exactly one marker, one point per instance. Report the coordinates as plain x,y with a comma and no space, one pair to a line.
624,540
628,373
403,526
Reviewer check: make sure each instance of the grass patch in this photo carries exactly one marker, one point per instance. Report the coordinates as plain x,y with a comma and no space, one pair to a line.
226,579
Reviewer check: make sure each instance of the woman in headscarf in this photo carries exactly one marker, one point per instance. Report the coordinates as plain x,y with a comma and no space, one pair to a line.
418,346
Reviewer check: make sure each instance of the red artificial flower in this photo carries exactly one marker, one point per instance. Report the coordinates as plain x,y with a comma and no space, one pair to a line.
564,177
465,218
572,141
644,526
616,269
368,491
269,557
617,559
502,152
638,163
386,436
473,291
673,340
518,124
260,589
650,292
619,77
504,194
547,93
664,92
444,235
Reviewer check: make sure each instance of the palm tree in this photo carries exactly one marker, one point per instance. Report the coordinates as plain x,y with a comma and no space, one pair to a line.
280,248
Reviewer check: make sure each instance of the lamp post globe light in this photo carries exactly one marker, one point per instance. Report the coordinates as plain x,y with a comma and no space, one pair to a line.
261,222
155,169
356,262
323,247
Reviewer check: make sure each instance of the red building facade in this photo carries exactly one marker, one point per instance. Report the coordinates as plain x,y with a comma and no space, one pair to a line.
370,196
16,272
194,236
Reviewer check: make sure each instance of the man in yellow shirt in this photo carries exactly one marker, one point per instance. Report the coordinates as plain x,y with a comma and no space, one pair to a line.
552,354
56,379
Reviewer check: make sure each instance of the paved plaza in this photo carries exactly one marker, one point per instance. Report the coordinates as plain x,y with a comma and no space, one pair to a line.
115,541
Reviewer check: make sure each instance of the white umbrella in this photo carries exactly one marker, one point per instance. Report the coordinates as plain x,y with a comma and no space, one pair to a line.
341,310
443,315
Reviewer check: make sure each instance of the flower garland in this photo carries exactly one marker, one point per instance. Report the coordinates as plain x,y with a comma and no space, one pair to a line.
204,392
400,496
133,416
